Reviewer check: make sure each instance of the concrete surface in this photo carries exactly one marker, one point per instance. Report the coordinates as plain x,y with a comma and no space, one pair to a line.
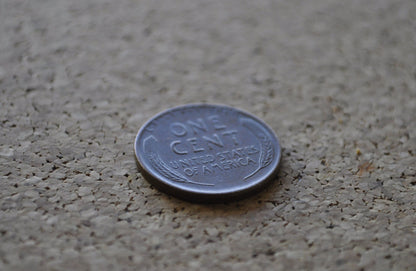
336,80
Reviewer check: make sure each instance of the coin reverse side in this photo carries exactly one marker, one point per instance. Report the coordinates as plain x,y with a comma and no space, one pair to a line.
207,153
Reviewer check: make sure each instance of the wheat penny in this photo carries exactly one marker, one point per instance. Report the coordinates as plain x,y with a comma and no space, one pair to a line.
207,153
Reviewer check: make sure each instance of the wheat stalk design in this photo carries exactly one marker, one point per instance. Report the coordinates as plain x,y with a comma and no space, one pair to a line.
162,167
266,150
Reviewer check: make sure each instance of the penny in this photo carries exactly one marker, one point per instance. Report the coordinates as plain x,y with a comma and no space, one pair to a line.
207,153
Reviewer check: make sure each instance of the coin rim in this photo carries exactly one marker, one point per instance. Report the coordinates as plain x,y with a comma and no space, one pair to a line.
206,196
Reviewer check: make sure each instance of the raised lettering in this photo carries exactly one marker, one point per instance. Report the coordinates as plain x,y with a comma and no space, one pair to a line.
174,148
216,122
215,165
174,164
199,125
194,142
243,162
206,170
249,160
232,134
216,142
185,163
178,129
188,171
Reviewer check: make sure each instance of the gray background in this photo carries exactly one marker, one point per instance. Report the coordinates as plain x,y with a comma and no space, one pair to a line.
336,80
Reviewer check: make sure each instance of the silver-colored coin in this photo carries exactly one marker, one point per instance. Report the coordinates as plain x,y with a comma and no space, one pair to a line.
207,153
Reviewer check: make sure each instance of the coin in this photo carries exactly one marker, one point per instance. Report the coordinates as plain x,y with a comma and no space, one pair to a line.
207,153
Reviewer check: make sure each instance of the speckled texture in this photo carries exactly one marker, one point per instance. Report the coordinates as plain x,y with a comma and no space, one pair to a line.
336,80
